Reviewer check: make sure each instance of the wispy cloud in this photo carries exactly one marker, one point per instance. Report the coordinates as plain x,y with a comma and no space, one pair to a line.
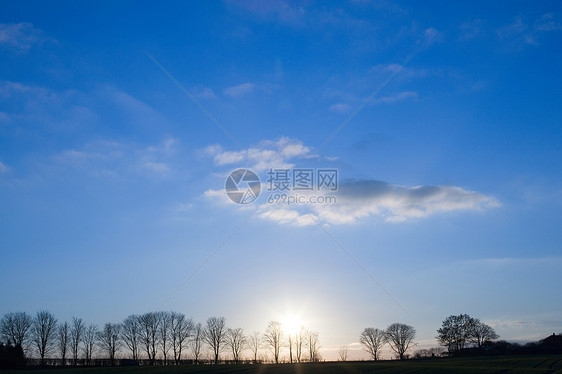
401,71
340,108
240,90
33,106
3,168
520,30
513,261
280,10
401,96
471,29
202,92
20,36
547,22
106,157
431,36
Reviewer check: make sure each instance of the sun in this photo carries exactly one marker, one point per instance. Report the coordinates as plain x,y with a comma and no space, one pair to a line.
291,324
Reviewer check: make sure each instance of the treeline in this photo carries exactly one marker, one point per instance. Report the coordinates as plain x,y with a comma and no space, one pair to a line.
459,335
464,335
172,338
152,338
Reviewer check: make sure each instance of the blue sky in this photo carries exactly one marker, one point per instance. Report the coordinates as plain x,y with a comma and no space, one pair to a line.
449,161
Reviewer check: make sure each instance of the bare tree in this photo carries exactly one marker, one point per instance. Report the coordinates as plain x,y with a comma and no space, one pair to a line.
290,345
109,338
343,353
16,328
90,335
313,345
273,337
215,335
130,334
149,323
164,333
300,338
181,331
43,333
481,333
372,339
254,343
197,343
77,329
63,341
237,342
400,337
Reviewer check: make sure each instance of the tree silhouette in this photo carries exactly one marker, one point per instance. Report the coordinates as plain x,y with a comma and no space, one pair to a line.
273,336
254,342
482,333
300,337
43,333
130,334
16,328
197,342
149,323
457,332
181,329
77,330
164,333
63,341
313,345
400,337
110,339
215,335
237,342
90,337
372,339
343,353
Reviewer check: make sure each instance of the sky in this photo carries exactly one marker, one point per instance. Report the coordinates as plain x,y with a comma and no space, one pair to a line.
120,122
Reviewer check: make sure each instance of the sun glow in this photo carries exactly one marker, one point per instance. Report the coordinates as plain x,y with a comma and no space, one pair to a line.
291,324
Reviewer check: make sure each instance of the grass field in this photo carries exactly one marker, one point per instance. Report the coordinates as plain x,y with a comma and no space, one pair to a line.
503,364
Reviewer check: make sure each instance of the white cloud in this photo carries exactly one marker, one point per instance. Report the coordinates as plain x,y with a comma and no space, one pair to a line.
240,90
395,203
354,201
288,216
267,154
3,168
363,199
